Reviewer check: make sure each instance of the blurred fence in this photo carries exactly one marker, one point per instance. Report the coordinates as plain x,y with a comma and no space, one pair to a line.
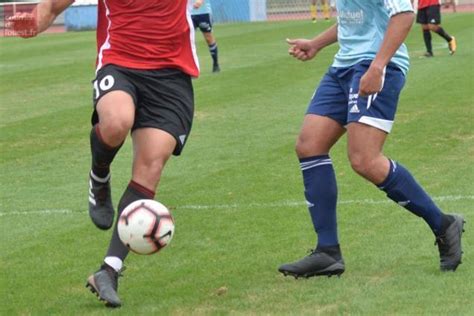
224,11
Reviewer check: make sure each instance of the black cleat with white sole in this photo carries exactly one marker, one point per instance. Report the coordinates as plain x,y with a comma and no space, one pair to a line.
449,243
104,284
101,210
317,263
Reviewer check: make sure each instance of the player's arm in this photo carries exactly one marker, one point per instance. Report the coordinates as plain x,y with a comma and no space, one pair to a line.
31,24
304,49
397,31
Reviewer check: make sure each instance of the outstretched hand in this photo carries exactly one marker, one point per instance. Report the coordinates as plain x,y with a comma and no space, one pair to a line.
24,24
302,49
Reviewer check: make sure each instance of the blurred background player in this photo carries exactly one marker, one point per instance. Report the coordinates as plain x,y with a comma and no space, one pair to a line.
325,8
143,87
450,3
359,95
429,16
201,15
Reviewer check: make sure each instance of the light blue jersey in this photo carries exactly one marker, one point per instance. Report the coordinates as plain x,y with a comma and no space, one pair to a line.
361,28
205,8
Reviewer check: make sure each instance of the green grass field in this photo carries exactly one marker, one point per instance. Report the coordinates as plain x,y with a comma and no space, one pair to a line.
236,193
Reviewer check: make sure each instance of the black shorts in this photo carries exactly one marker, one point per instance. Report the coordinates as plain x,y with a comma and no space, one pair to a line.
429,15
203,21
163,98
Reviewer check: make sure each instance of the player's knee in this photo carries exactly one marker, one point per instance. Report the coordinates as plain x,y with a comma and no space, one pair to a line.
433,27
115,131
303,148
309,147
360,163
149,170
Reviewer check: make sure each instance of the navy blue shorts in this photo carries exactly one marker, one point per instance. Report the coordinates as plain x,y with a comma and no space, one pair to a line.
337,97
203,21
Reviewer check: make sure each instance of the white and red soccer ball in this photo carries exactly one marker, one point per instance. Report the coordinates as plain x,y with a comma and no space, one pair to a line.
145,226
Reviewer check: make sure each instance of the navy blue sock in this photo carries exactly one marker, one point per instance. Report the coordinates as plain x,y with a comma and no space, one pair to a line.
403,189
214,53
321,196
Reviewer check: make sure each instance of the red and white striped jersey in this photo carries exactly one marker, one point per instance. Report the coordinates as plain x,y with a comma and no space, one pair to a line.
427,3
146,34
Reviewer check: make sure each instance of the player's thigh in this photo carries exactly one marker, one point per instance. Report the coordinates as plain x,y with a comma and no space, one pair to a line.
317,136
364,142
152,147
325,117
116,107
364,148
114,98
166,103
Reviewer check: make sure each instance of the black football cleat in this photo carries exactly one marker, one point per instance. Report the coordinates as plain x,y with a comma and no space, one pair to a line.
216,68
317,263
104,284
449,244
101,210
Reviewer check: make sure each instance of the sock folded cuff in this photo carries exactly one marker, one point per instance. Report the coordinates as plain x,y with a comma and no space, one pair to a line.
114,262
150,194
315,161
390,177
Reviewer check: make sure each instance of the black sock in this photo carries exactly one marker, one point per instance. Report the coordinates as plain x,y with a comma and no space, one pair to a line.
427,38
214,53
440,31
333,251
133,193
102,154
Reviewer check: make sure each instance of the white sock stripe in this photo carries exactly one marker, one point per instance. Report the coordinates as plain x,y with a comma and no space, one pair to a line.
316,165
306,163
98,179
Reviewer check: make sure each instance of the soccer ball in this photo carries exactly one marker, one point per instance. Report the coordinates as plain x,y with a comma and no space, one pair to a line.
145,226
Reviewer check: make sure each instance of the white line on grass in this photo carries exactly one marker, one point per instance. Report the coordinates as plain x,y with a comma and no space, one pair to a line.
446,198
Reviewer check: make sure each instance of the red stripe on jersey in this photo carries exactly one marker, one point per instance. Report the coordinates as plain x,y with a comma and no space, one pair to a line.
427,3
151,34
